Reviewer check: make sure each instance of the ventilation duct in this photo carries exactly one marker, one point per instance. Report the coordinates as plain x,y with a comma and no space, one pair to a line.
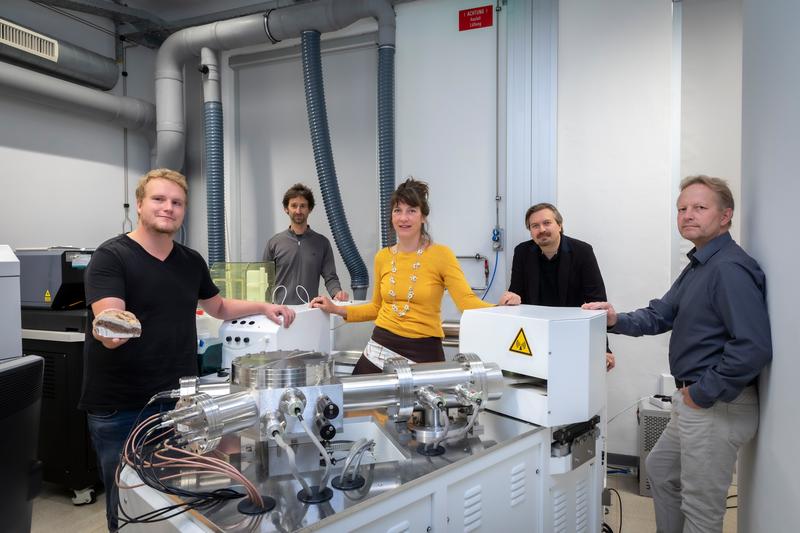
214,156
127,112
323,160
58,58
277,24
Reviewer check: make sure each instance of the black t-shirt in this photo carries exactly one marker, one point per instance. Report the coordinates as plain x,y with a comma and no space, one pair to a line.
548,280
163,295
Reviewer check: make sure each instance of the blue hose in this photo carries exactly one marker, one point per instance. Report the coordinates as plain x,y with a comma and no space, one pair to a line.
323,159
386,140
215,186
494,271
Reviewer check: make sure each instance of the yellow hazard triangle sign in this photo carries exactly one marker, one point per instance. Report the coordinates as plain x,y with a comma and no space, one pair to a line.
520,344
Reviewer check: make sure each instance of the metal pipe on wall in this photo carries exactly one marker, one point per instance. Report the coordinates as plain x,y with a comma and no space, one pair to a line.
128,112
63,59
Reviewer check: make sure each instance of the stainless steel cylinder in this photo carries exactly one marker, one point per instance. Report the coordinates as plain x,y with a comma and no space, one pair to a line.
203,420
281,369
388,389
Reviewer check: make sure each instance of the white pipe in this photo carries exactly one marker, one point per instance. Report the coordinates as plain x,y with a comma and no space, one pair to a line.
128,112
283,23
176,50
211,86
331,15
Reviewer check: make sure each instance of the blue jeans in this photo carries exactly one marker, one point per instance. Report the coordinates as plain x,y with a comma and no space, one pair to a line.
109,430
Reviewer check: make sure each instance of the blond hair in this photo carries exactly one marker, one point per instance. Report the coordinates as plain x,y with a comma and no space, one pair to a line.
718,185
164,174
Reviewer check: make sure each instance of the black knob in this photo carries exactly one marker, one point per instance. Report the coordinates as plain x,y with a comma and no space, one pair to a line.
327,408
237,339
247,339
228,338
331,411
327,431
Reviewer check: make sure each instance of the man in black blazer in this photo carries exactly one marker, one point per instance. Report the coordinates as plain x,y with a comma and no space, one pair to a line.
553,269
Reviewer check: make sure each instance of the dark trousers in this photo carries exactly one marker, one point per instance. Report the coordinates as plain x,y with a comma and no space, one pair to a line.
421,350
109,430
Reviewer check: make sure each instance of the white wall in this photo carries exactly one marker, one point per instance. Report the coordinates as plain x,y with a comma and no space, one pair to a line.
445,131
273,148
446,128
711,98
769,478
62,176
614,171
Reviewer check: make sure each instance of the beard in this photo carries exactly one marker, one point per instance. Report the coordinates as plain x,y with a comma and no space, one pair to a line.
164,229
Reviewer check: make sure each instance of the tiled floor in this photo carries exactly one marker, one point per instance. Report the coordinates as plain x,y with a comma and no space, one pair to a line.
638,515
53,512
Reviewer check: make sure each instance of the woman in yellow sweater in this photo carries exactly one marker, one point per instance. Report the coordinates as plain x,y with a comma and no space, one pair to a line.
410,280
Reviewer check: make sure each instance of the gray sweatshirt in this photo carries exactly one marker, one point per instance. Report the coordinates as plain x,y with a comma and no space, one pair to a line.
301,260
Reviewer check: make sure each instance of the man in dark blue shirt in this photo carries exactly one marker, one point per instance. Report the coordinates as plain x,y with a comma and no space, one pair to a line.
720,342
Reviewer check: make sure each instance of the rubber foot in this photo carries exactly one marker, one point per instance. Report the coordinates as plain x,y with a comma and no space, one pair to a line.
348,484
424,449
248,507
316,496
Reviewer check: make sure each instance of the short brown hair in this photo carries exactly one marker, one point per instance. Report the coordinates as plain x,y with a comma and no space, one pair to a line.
164,174
413,193
298,189
544,205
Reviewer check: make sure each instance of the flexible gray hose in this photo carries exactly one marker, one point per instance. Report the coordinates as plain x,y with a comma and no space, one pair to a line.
323,159
355,456
386,140
443,436
292,462
215,183
464,430
324,481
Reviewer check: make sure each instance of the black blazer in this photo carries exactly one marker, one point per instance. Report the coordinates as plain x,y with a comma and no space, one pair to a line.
579,278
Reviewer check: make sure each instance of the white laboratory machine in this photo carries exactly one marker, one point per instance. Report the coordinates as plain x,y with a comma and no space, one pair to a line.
10,321
419,447
311,330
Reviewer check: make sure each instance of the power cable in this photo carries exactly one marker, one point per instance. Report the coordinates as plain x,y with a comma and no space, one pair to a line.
615,491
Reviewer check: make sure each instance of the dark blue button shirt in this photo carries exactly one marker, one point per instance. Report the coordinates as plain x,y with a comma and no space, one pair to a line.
717,312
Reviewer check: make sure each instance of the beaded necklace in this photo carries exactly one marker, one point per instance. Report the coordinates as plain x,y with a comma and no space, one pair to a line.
412,279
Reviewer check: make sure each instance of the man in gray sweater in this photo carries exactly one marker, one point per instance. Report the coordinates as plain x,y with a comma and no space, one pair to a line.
302,255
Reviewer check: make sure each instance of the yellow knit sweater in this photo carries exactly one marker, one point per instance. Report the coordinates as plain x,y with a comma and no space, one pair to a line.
439,270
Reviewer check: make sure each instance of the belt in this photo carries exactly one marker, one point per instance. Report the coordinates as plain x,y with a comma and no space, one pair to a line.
681,383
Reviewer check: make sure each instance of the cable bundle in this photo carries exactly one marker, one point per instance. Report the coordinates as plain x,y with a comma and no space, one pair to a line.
152,451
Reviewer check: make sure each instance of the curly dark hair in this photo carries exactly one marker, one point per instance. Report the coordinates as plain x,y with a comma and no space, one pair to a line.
298,189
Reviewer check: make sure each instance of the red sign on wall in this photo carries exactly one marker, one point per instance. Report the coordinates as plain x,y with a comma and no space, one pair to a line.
477,17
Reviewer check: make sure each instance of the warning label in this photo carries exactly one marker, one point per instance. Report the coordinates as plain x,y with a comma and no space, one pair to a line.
47,297
520,344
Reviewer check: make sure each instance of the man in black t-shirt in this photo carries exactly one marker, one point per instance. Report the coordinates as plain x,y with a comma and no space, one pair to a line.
161,282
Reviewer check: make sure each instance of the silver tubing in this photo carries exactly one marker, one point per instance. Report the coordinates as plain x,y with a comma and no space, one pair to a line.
392,388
